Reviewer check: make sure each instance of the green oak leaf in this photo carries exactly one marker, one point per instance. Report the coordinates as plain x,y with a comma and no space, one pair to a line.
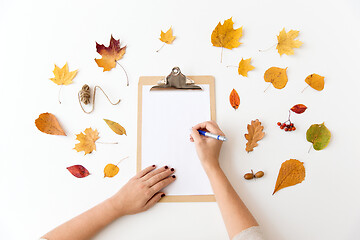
319,135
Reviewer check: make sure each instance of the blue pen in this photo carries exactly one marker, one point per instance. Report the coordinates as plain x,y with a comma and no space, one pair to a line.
207,134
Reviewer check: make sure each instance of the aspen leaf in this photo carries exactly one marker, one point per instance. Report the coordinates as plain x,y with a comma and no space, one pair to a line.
298,108
245,66
319,135
111,170
78,171
117,128
47,123
315,81
286,42
167,37
87,141
62,75
291,173
255,134
276,76
109,54
234,99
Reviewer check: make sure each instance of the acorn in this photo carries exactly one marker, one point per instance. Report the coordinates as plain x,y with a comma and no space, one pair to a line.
259,174
249,176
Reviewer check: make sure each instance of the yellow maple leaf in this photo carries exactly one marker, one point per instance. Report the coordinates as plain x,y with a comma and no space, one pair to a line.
245,66
286,42
62,75
87,141
167,37
109,54
224,35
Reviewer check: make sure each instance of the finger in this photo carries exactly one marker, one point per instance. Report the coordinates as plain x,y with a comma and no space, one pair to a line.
160,176
154,200
210,126
153,173
145,171
191,138
196,135
160,185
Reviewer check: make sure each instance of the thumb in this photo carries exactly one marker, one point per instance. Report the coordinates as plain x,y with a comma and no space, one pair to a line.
195,135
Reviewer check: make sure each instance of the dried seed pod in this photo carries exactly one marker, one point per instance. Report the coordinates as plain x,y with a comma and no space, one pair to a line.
259,174
249,176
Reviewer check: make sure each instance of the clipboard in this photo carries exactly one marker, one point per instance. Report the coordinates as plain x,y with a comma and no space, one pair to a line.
168,86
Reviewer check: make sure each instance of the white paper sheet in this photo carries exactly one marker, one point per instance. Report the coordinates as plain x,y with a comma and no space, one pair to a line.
167,118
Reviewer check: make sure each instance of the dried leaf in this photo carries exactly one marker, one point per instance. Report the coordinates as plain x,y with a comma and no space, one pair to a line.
276,76
111,170
62,75
291,173
117,128
109,54
255,134
167,37
78,171
47,123
298,108
319,135
234,99
87,141
245,66
225,35
315,81
286,42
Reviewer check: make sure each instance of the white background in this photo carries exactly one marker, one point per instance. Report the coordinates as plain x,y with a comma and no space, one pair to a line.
37,193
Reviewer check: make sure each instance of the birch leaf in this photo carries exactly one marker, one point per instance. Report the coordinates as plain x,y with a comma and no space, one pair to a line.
276,76
111,170
319,135
315,81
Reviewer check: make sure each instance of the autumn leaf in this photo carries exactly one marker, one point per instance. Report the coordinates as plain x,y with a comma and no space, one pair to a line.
245,66
111,170
315,81
286,42
117,128
276,76
167,37
298,108
109,54
255,134
319,135
225,36
78,171
291,173
234,99
47,123
87,141
63,76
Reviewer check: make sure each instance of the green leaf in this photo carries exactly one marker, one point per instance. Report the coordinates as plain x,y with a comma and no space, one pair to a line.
319,135
117,128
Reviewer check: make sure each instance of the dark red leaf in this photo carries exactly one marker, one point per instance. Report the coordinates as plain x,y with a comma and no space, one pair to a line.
298,108
78,171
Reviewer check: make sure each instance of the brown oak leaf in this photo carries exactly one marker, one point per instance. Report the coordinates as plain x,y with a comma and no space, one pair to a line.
255,134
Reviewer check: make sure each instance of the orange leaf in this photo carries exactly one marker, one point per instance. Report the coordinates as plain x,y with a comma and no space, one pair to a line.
47,123
276,76
109,54
291,173
167,37
255,134
224,35
315,81
234,99
87,141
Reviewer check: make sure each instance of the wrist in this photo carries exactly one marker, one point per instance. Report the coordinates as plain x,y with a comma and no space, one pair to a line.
211,167
116,206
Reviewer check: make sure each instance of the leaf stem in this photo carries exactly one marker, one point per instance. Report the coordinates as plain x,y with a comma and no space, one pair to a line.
267,48
127,78
304,88
122,160
59,93
267,87
160,48
108,142
232,66
310,148
222,49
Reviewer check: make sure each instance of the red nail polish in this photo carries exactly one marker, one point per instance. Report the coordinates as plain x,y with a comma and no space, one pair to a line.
166,167
173,176
163,195
153,165
172,169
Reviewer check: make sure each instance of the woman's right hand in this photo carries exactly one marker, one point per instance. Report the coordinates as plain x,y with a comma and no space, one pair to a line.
208,149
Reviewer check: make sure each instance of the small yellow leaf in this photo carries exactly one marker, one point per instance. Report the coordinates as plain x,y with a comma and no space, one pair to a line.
245,66
87,141
276,76
315,81
167,37
224,35
117,128
62,75
286,42
111,170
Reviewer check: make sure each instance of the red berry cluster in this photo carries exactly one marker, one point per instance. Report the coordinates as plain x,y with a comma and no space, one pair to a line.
287,127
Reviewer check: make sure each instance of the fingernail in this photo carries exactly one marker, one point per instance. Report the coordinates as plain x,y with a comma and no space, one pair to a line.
166,167
163,195
153,165
173,176
172,169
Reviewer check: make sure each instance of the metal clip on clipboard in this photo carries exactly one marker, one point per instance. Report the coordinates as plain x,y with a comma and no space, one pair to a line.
175,80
